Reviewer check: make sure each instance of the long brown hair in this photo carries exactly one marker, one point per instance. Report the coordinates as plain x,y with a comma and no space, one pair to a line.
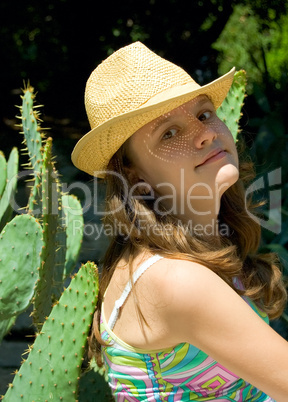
237,256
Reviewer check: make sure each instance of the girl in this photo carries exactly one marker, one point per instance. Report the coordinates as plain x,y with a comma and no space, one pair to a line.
185,300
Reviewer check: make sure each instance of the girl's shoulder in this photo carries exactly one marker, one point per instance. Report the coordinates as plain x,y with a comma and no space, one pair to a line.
200,308
172,277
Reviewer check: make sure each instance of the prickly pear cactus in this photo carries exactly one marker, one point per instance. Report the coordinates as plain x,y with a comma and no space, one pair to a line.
230,110
93,385
32,135
8,183
74,224
20,257
3,175
5,326
52,251
62,241
33,138
52,369
50,284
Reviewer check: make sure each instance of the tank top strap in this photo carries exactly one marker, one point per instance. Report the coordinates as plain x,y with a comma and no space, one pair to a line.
119,303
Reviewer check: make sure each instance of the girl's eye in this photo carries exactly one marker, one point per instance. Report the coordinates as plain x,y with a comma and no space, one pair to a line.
169,133
205,116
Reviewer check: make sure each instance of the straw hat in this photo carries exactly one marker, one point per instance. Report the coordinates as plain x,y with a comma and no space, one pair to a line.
129,89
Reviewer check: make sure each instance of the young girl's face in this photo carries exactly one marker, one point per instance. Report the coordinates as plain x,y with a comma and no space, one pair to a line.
187,156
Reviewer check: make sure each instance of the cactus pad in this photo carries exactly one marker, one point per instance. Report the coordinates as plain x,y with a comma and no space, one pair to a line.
3,175
5,326
93,385
33,139
53,367
74,228
230,110
49,274
20,247
10,188
31,128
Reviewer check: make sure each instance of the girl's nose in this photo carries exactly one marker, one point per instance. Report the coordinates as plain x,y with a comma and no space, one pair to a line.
205,136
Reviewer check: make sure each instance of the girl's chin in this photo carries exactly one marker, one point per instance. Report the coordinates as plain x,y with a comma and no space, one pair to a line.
227,175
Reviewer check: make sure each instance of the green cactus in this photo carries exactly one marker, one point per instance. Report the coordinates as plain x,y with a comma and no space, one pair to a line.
33,140
53,367
37,255
74,228
50,284
61,249
62,221
230,110
8,183
20,248
6,325
32,136
3,170
93,385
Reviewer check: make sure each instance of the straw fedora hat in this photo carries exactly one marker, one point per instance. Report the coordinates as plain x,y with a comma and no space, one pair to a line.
129,89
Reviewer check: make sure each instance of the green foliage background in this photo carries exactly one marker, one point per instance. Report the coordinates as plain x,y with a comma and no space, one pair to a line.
57,43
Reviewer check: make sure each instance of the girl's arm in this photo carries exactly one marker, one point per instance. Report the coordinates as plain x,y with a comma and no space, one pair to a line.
203,310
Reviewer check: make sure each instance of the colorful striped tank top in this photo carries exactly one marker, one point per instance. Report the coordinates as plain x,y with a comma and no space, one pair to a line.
180,373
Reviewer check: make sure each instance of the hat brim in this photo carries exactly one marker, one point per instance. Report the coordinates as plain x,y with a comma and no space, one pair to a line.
106,139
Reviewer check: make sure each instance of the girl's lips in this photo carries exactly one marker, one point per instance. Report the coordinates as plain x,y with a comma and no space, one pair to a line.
215,156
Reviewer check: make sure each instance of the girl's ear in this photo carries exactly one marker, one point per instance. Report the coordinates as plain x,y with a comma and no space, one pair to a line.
131,175
135,181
